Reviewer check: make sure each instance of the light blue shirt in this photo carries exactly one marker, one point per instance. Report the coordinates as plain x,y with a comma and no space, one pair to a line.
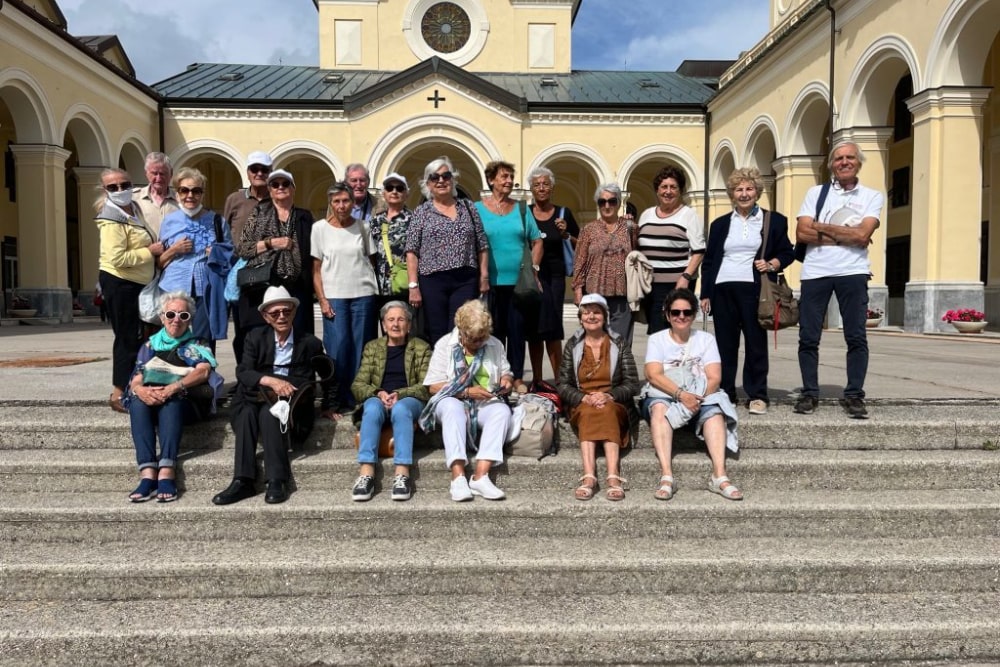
187,272
283,354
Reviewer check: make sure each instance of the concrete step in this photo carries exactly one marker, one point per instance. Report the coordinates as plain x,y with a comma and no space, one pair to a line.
496,629
900,425
512,566
694,513
71,471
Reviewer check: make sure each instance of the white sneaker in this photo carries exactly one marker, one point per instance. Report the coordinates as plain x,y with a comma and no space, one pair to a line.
758,407
485,488
460,489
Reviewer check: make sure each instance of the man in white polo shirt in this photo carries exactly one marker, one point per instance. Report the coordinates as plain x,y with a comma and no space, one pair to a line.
836,223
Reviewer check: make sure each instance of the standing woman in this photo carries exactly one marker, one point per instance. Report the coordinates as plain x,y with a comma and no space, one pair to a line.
672,238
278,231
198,256
447,254
557,225
733,267
600,260
345,286
128,258
388,238
508,227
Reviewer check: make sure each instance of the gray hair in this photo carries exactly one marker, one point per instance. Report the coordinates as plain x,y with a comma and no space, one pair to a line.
840,144
613,188
157,157
539,172
356,166
396,304
178,295
432,168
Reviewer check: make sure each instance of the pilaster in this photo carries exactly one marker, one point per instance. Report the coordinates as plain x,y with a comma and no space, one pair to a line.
88,181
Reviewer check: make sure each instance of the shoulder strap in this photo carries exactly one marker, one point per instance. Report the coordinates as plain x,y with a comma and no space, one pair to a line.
824,191
218,228
522,207
763,233
385,243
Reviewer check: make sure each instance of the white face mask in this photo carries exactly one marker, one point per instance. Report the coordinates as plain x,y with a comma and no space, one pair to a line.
281,410
121,198
193,212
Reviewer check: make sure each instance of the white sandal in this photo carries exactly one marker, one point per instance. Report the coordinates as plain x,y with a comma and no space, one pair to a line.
665,489
730,492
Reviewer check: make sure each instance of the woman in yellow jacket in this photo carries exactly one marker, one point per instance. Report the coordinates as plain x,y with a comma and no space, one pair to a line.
128,257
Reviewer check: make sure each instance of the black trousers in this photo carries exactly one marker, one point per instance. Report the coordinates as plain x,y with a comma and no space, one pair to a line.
443,293
734,311
121,297
251,422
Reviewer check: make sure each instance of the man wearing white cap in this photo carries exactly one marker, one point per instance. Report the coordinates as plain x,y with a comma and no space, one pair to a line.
282,363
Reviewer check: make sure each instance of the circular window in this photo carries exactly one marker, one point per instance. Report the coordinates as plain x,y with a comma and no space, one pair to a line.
445,27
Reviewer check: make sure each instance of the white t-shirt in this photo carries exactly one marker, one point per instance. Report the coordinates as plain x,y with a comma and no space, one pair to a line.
846,208
701,351
346,270
741,247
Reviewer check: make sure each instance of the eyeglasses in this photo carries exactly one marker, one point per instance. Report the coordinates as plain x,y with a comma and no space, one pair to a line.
183,315
612,201
279,185
278,313
118,187
541,186
259,169
394,188
681,312
443,176
197,192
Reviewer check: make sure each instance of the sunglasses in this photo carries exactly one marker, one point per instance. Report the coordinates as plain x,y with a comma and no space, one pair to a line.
259,169
279,312
183,315
118,187
197,192
613,201
443,176
678,312
394,188
279,185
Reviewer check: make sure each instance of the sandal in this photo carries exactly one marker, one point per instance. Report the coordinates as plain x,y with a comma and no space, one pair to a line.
730,491
665,489
167,492
615,492
586,491
145,491
116,403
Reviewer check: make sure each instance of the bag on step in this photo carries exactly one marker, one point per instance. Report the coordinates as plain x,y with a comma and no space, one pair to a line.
537,438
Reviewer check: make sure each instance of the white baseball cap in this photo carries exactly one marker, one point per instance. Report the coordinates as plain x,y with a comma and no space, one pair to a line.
259,157
397,178
595,300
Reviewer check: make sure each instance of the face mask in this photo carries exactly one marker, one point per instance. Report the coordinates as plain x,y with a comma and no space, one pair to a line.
280,410
121,198
193,212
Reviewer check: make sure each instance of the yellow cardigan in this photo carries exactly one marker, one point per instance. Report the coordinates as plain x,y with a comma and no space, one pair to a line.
125,242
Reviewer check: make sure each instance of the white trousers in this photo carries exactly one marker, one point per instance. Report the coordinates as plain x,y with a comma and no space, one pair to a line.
494,420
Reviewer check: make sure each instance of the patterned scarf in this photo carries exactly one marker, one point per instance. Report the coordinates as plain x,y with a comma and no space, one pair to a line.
192,351
263,224
464,376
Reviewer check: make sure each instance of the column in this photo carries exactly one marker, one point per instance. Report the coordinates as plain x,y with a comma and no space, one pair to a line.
793,176
991,299
88,181
41,231
947,205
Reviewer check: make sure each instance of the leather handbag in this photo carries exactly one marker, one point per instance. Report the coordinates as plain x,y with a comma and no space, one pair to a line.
777,308
256,275
527,294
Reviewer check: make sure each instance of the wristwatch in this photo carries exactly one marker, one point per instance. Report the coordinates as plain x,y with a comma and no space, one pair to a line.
413,285
536,267
687,276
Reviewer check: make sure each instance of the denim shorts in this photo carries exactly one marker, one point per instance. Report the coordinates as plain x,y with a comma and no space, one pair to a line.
706,412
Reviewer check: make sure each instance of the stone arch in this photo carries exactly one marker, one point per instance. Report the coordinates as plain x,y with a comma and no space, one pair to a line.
132,153
961,43
296,149
869,91
723,164
805,128
192,150
89,134
30,109
644,197
585,154
761,144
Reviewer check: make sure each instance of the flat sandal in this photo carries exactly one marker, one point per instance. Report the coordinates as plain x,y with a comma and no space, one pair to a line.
615,493
586,491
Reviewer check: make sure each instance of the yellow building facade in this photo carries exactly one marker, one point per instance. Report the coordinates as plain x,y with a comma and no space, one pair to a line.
401,82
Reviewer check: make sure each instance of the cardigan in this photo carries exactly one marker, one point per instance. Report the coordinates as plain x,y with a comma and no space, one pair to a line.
778,246
369,377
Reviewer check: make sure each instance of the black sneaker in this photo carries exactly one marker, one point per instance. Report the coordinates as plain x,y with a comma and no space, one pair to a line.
400,487
806,405
856,407
364,488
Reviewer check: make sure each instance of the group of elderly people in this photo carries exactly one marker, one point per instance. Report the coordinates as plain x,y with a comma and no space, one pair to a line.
458,262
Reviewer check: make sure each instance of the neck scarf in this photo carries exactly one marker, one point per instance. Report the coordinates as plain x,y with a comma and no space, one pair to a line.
464,376
161,341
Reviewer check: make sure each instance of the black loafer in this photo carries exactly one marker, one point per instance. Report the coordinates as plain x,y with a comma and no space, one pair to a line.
238,489
277,492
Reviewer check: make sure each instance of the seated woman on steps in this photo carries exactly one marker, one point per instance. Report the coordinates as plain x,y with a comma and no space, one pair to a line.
173,384
597,382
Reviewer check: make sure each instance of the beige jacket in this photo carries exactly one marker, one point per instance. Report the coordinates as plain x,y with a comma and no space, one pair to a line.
639,278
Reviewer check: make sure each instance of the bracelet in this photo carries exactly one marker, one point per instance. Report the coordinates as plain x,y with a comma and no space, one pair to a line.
267,244
677,394
182,389
687,276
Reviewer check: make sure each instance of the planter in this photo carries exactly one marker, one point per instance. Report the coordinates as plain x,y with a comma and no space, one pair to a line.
79,312
969,327
873,322
22,312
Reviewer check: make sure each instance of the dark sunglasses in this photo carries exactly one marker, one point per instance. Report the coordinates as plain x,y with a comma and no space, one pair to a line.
259,169
678,312
197,192
183,315
394,188
613,201
279,312
279,185
118,187
446,176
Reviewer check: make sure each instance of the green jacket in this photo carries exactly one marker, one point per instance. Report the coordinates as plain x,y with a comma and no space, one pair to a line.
415,361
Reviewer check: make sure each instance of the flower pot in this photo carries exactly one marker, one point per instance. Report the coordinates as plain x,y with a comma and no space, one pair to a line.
969,327
22,312
873,322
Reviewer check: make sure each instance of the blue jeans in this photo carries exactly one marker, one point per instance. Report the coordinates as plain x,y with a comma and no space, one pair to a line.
852,297
344,338
169,419
403,416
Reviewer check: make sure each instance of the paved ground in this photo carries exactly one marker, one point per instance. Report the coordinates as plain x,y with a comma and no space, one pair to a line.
902,366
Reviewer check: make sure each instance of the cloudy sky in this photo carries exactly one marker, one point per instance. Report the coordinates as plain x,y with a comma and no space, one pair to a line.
163,38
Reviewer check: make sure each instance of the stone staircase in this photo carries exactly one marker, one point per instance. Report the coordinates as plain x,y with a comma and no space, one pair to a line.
859,542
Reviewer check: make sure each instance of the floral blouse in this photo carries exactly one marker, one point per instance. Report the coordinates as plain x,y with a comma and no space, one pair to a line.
600,259
396,232
441,243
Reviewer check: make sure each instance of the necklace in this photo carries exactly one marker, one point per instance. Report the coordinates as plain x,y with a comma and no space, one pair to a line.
498,207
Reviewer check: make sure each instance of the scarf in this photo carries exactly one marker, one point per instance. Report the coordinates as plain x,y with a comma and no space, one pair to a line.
264,223
162,342
464,375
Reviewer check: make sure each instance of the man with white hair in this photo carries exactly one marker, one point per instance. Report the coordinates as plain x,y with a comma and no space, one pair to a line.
357,177
835,225
157,198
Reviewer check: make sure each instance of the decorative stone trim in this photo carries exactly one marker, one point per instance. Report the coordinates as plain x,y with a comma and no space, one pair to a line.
301,115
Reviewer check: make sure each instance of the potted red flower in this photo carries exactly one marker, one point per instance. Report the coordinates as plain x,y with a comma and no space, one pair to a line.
966,320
